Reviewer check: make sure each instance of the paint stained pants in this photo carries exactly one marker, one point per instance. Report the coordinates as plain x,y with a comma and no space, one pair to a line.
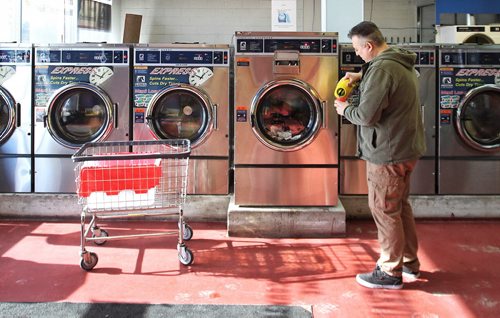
388,191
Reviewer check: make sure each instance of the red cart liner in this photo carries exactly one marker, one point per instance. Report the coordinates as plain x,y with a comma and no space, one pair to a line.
113,176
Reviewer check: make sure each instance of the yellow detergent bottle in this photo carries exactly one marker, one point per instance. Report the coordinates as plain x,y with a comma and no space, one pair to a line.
343,90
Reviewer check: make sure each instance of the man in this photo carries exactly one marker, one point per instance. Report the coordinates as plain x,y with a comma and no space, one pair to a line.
390,140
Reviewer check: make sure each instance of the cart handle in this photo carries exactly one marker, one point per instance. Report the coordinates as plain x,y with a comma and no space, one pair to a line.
80,155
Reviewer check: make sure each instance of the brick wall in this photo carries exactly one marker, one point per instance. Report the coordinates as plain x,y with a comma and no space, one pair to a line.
214,21
210,21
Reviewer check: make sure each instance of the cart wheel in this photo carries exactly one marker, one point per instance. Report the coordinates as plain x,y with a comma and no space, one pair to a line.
186,257
187,234
100,233
92,261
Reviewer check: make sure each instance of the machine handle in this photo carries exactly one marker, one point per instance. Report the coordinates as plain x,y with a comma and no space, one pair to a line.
45,121
214,111
325,113
422,112
252,120
18,115
115,114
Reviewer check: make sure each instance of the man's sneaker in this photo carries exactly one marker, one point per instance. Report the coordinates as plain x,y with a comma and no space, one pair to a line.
410,274
379,279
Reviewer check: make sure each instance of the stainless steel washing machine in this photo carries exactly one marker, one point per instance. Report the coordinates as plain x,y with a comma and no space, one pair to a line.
81,95
285,125
469,119
15,118
352,169
182,91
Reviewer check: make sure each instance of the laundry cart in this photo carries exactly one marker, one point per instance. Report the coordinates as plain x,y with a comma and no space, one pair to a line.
132,179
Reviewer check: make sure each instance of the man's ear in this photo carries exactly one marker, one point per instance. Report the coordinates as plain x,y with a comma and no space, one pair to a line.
369,45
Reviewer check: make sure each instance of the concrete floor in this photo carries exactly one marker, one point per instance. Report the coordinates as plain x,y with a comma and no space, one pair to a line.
40,263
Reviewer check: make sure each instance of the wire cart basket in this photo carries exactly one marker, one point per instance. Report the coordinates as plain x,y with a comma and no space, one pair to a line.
130,179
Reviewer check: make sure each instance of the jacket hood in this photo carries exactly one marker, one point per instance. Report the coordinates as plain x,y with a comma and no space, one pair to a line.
402,56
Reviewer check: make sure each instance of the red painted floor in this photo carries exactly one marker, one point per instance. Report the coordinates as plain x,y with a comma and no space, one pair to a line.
460,269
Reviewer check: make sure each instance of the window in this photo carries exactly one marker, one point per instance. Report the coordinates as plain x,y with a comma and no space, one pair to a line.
9,15
43,21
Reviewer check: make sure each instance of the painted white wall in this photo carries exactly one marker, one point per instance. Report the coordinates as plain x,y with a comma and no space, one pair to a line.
209,21
397,19
215,21
342,15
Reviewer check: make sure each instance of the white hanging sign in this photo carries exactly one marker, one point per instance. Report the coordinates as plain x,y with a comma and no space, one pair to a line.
284,15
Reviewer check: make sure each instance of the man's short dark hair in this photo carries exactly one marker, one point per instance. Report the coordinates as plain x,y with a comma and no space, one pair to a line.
369,31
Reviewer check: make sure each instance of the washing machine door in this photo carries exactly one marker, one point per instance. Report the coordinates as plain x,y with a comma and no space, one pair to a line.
478,118
7,115
79,113
180,111
286,114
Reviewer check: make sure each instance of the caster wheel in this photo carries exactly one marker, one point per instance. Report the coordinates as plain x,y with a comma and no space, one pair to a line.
90,263
100,233
186,257
187,234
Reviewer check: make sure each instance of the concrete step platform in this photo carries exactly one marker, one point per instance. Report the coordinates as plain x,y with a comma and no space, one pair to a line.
286,222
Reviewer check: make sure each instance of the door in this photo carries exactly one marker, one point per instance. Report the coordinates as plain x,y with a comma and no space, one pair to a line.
80,113
7,115
286,115
478,118
181,111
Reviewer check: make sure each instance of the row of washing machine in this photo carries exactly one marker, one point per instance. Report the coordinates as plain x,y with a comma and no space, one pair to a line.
55,98
460,100
273,125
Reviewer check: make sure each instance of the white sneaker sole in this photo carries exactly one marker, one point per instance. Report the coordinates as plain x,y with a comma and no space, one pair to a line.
411,276
366,284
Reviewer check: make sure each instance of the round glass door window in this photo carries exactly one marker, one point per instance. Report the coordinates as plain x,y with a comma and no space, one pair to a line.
286,115
180,112
478,118
79,113
7,115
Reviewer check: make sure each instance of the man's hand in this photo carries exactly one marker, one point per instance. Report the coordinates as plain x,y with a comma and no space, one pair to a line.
340,106
353,77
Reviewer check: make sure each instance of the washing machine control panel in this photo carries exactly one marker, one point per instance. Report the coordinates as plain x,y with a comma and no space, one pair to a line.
303,45
155,68
425,58
87,56
181,57
349,57
15,56
459,58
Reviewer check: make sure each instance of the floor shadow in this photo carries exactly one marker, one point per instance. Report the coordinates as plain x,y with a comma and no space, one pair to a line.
31,282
